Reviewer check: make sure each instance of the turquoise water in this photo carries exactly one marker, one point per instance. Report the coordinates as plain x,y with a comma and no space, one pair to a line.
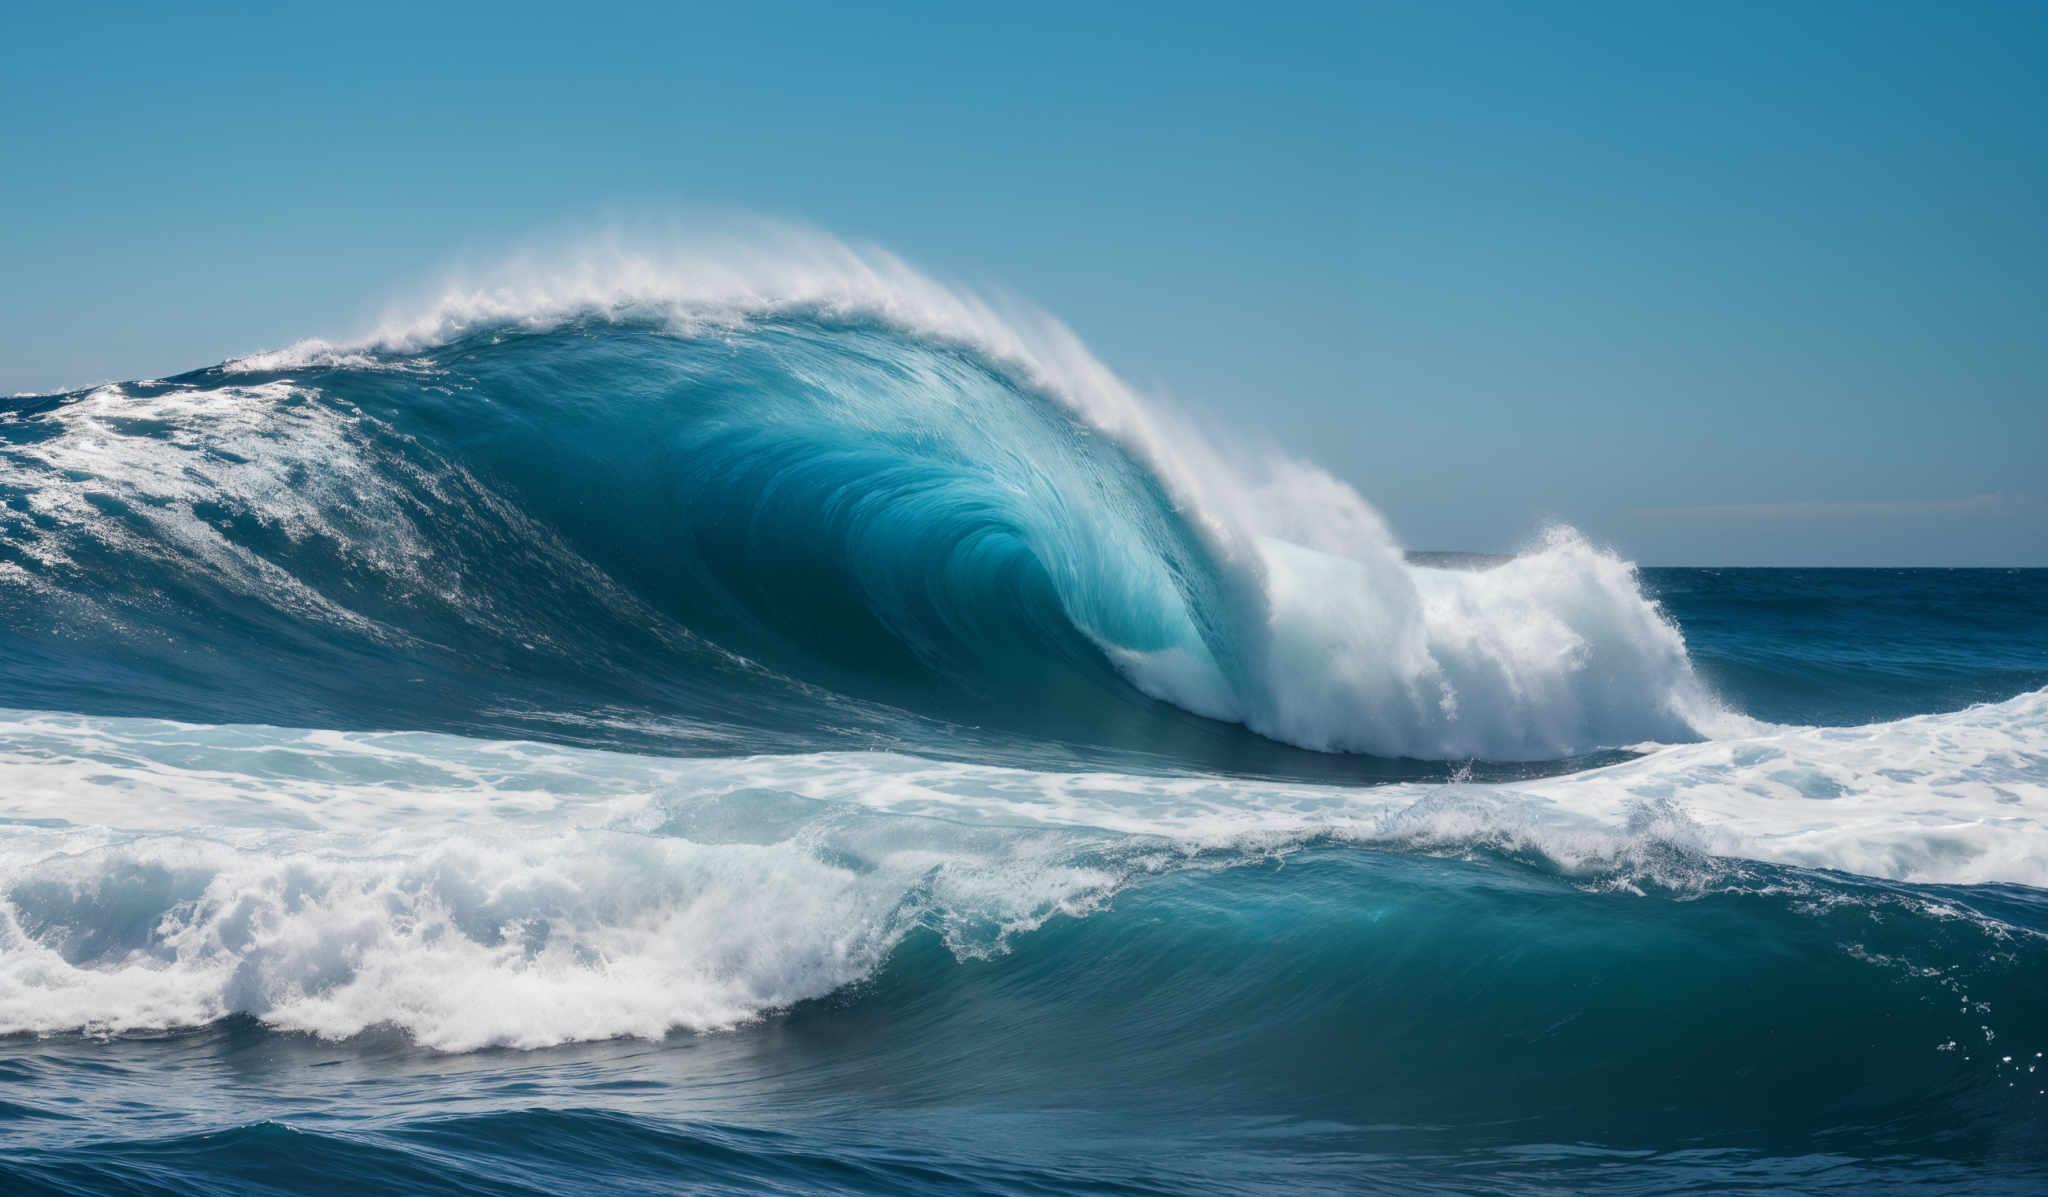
816,748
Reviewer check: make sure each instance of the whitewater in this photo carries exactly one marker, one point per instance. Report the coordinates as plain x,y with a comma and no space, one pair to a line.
773,653
333,882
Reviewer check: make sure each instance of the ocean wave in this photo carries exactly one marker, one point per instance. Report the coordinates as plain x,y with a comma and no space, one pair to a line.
823,463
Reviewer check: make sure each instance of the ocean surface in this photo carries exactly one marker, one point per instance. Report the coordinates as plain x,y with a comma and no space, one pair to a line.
801,730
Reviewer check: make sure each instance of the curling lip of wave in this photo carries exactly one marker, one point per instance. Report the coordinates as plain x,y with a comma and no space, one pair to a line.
1316,632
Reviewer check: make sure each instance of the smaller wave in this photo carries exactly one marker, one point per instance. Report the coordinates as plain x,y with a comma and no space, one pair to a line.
475,893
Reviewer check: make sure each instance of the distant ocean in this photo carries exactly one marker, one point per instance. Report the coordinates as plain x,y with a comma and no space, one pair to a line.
810,733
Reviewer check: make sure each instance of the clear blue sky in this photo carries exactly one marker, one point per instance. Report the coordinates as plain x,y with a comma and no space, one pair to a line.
1718,283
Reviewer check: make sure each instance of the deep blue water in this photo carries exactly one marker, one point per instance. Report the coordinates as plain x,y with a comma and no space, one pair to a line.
1845,646
820,757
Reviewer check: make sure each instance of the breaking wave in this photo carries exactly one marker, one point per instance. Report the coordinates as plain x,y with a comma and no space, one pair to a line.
823,468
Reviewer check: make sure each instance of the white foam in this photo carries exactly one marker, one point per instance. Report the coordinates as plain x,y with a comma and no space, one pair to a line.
263,448
145,475
1956,798
490,937
310,353
472,892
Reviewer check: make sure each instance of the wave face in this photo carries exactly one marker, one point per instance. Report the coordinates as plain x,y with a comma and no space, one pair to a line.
790,727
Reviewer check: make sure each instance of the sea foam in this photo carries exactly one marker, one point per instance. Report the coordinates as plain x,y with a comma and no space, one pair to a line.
477,892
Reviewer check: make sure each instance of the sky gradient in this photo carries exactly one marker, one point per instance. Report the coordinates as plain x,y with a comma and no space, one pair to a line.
1719,284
